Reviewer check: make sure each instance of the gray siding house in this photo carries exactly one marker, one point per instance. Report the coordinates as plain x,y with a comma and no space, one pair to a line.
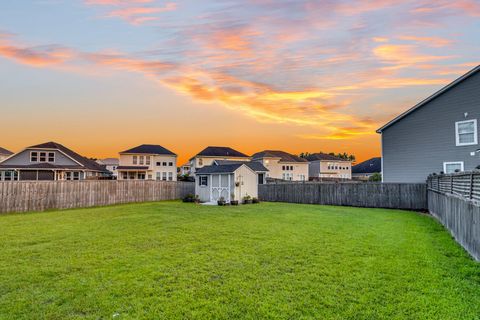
439,134
49,161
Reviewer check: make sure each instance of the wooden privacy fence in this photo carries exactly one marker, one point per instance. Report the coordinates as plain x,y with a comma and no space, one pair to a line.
410,196
455,201
23,196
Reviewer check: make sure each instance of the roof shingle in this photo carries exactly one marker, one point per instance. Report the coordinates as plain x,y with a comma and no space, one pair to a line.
284,156
221,152
369,166
324,157
149,149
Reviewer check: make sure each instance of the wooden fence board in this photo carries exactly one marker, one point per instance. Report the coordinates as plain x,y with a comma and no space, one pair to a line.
23,196
372,195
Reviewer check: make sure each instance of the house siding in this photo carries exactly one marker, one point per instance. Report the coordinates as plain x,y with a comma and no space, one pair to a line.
23,158
420,143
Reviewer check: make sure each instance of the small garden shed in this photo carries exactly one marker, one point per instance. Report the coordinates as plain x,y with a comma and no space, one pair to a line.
232,181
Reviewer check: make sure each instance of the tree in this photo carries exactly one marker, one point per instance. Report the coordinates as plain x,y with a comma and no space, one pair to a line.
376,177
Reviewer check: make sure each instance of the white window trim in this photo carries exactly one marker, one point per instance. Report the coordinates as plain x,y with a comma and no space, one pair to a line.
453,162
457,136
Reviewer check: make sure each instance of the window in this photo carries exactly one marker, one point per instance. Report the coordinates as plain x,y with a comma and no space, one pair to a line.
76,176
43,157
33,156
125,175
150,177
291,167
8,175
170,164
159,176
159,164
170,176
51,157
283,167
200,162
164,164
147,160
140,160
164,176
134,160
466,132
141,176
203,181
452,167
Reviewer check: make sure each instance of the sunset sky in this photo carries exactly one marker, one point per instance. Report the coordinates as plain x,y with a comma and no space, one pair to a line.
101,76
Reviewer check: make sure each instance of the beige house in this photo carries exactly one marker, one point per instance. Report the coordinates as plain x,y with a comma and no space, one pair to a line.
323,165
207,156
4,154
283,165
232,181
147,162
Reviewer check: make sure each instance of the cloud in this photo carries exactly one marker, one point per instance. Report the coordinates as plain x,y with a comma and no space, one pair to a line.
134,12
430,41
404,55
39,56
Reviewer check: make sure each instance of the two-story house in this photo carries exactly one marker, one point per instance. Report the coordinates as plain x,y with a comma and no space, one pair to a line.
283,165
439,134
323,165
207,156
147,162
49,161
4,154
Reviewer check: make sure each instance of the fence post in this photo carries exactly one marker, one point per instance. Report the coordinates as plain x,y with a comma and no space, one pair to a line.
471,186
451,184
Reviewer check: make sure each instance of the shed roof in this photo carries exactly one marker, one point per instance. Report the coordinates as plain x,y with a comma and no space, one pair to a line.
254,165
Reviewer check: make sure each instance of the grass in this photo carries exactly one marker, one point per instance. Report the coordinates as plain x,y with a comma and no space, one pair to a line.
171,260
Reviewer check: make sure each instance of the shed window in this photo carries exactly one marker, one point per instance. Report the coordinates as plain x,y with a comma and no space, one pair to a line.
51,157
33,156
466,132
43,156
452,167
203,181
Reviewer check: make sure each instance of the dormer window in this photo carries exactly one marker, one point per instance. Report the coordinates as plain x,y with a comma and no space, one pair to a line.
36,156
134,160
466,132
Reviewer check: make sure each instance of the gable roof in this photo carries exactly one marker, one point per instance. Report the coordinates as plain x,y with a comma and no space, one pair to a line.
5,151
86,163
369,166
324,157
284,156
220,152
225,168
432,97
108,161
149,149
254,165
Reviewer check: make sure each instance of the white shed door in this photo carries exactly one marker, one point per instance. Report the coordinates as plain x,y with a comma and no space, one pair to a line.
220,187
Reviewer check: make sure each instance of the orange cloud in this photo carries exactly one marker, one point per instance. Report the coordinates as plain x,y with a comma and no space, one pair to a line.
35,56
431,41
403,55
138,15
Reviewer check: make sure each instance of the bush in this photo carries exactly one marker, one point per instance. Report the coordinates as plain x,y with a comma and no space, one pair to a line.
376,177
189,198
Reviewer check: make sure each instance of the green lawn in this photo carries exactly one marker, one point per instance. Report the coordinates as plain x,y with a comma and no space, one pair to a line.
171,260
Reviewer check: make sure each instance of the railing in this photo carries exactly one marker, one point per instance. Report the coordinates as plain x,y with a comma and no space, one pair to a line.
465,184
